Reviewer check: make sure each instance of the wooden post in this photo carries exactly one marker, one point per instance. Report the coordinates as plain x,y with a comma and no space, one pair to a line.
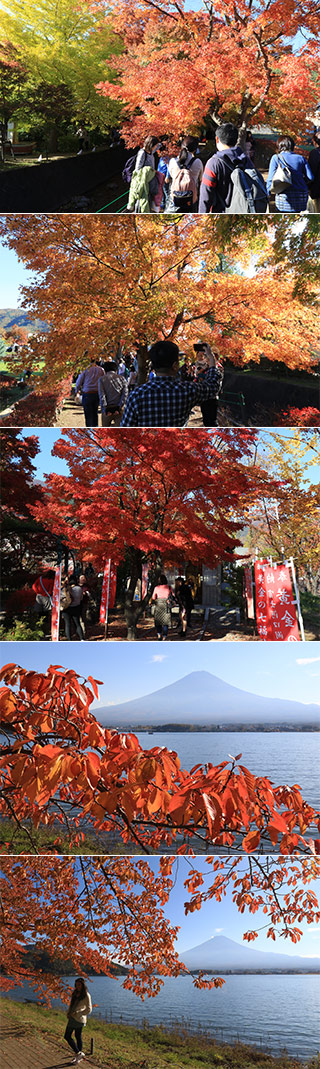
91,1045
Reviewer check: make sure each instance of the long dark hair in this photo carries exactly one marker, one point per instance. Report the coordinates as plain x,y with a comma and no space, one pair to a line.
75,994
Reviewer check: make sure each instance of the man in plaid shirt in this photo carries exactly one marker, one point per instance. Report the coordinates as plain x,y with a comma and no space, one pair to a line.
167,401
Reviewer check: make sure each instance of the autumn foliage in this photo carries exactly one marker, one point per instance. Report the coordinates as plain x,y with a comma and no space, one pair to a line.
106,281
181,499
225,61
61,768
107,908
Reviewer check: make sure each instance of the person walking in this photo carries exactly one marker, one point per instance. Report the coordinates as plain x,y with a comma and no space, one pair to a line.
167,401
71,613
161,601
143,183
296,173
113,392
314,164
77,1014
87,385
216,185
43,588
185,171
209,408
84,603
185,601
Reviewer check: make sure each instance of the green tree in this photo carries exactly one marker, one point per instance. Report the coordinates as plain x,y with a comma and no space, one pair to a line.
61,42
289,526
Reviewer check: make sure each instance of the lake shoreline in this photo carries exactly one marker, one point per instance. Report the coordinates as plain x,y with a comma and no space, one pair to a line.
117,1044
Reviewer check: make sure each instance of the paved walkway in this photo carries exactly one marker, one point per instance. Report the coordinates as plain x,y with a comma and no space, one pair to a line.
21,1048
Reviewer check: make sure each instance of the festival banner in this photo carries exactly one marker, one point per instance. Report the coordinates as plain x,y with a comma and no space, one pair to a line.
55,612
144,587
275,608
108,593
249,592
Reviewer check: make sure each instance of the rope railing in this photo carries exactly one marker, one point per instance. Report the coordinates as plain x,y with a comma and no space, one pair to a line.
121,197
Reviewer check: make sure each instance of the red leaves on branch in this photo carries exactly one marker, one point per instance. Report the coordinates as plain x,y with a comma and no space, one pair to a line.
231,62
116,908
60,767
178,500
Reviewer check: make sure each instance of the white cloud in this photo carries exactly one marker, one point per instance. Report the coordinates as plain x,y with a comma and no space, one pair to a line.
158,657
307,660
217,931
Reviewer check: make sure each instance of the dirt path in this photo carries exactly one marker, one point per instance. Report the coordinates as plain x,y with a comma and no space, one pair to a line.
71,415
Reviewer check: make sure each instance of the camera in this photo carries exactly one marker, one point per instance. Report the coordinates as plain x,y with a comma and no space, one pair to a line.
199,347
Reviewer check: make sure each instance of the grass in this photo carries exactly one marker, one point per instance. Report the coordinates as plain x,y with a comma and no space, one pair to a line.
15,839
310,607
119,1046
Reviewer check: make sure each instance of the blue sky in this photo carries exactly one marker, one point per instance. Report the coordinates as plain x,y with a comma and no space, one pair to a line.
129,670
223,918
45,463
13,275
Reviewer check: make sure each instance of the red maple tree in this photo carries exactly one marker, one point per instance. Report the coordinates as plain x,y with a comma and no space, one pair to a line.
146,496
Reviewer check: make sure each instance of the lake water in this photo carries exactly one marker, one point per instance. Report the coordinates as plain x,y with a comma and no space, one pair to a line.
273,1012
285,757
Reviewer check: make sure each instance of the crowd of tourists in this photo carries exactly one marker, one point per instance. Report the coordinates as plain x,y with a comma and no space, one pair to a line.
173,389
76,593
230,181
74,598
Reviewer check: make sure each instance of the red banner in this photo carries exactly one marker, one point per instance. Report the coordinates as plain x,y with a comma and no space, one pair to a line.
108,593
55,613
275,608
144,585
249,592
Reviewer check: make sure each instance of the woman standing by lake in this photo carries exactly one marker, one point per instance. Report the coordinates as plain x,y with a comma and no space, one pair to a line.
79,1009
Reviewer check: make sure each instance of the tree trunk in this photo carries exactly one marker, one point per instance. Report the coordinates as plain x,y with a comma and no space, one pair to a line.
52,138
242,135
142,355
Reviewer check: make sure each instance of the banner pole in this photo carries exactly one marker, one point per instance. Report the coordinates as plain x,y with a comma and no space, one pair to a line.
295,585
107,608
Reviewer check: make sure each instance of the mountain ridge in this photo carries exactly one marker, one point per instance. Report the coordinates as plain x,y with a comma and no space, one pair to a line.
207,698
221,952
17,317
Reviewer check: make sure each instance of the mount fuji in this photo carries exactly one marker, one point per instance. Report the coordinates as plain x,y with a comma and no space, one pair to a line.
202,698
221,954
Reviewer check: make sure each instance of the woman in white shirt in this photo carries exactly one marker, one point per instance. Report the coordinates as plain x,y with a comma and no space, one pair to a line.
77,1014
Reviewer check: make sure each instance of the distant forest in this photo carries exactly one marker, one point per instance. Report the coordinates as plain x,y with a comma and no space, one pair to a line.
37,958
